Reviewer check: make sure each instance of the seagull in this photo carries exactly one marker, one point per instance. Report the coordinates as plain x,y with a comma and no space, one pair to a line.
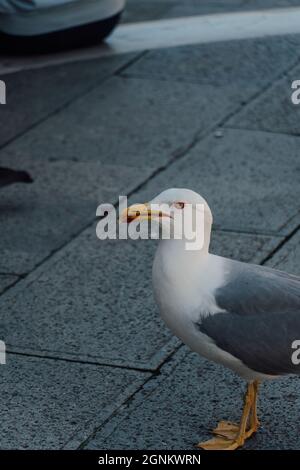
243,316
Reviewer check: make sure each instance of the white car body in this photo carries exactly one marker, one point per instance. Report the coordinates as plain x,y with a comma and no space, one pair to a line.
36,17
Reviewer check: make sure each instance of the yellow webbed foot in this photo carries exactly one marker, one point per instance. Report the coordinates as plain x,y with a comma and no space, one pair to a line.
220,443
230,436
227,429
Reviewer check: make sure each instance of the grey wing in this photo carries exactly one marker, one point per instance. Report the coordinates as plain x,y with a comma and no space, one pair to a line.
252,289
261,318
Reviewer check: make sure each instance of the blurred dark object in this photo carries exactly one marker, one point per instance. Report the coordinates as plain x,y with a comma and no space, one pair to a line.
37,27
72,38
9,176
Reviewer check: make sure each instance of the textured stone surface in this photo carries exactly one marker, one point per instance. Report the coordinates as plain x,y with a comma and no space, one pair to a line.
238,68
37,219
139,123
146,10
243,246
142,10
287,258
45,403
274,110
196,7
6,280
180,407
94,301
250,179
33,95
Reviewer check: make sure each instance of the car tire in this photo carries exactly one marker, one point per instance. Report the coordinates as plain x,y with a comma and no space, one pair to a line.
62,40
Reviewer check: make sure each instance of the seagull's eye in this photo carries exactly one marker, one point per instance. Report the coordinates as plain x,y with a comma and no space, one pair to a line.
179,205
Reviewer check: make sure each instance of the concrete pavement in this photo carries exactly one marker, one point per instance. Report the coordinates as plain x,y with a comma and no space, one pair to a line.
90,363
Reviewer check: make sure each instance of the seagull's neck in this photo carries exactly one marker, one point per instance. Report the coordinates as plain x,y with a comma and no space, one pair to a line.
173,258
184,282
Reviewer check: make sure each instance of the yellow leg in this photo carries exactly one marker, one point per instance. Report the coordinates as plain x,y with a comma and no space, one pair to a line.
254,423
230,436
230,430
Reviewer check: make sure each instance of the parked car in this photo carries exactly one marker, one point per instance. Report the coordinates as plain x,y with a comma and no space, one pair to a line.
43,25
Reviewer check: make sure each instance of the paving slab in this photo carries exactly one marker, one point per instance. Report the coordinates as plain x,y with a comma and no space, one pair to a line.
129,121
237,68
179,408
249,178
7,280
93,301
287,258
145,10
163,120
39,218
194,7
33,95
65,192
273,111
45,402
142,10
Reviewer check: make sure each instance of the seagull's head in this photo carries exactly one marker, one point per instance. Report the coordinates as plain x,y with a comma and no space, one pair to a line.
181,212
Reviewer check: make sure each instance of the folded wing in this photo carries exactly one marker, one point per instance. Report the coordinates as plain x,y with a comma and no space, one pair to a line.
260,320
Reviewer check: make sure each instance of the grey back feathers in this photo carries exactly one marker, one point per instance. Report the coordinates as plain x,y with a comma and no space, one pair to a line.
261,317
253,289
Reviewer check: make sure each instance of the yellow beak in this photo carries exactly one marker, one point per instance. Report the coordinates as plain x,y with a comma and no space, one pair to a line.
141,211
